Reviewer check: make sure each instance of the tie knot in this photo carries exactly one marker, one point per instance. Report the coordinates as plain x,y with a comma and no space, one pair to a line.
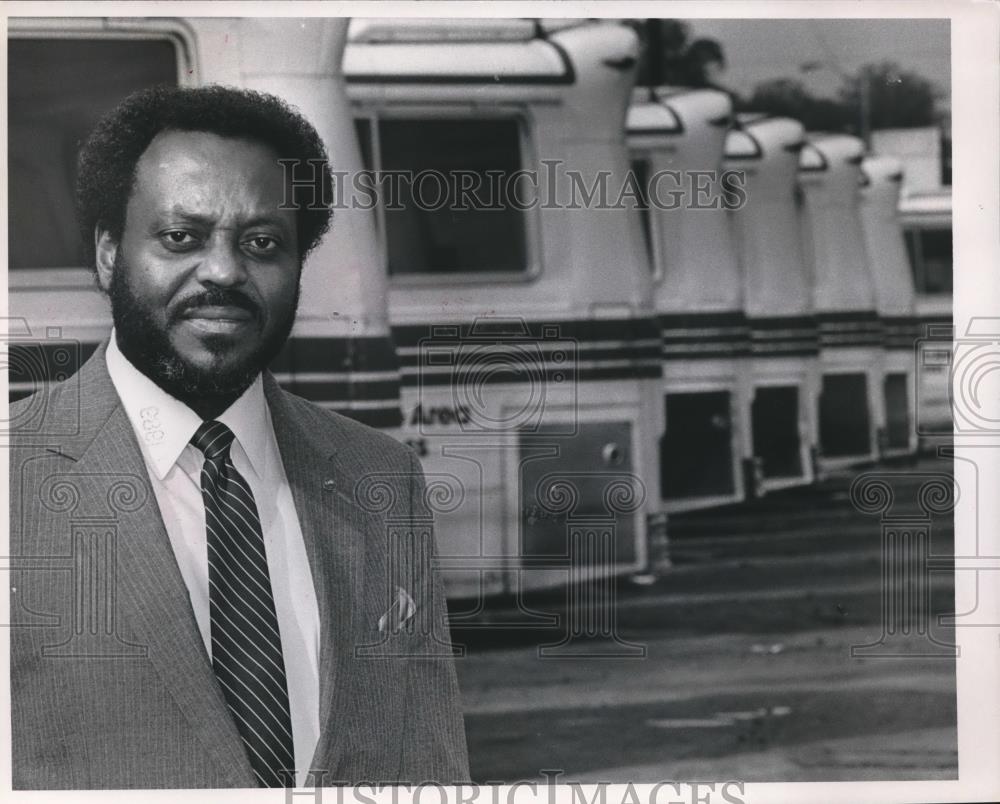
213,439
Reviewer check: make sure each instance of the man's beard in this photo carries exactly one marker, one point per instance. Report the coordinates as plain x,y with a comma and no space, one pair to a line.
146,343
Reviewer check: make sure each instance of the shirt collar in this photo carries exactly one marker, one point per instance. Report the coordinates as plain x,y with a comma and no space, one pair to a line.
164,425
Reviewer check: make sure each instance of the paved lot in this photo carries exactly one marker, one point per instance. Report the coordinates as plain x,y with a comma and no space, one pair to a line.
722,707
745,668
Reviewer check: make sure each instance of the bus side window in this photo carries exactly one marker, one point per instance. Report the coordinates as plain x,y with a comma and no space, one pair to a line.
935,246
57,91
455,208
930,253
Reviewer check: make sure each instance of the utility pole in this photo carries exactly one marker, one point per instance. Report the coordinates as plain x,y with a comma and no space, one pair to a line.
864,105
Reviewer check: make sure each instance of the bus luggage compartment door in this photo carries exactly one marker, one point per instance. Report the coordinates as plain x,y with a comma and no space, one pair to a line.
696,456
844,427
581,479
775,424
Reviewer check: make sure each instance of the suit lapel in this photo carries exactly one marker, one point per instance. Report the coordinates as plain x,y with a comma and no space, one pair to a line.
154,597
336,532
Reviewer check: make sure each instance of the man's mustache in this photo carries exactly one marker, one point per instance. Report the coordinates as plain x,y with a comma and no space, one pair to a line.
219,297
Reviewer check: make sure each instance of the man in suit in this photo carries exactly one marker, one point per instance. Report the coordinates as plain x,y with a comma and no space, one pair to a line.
218,584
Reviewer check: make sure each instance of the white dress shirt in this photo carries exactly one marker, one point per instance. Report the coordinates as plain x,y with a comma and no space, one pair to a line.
164,426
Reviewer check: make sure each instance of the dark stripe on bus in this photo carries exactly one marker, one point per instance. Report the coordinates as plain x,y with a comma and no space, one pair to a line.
784,336
936,326
473,354
342,390
906,332
518,331
54,361
311,355
639,371
512,350
685,336
850,329
900,332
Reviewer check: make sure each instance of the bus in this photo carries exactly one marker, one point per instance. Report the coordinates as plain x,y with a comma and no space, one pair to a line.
895,299
927,228
677,139
783,369
65,74
850,413
520,305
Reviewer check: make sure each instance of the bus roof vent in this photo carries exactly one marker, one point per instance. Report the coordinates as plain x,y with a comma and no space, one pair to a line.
418,30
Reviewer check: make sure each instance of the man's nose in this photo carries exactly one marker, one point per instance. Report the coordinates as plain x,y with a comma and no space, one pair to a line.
223,265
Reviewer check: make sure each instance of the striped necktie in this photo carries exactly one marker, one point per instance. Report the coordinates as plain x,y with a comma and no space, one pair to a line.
246,645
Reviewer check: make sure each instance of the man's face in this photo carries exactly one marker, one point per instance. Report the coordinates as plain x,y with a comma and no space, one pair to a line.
204,283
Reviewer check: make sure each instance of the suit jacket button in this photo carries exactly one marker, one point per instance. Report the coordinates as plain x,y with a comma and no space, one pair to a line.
328,484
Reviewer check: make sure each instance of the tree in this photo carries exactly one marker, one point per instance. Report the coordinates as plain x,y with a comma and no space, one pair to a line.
787,97
896,98
669,58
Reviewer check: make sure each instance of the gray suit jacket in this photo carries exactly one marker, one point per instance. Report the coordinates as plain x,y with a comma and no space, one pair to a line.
111,686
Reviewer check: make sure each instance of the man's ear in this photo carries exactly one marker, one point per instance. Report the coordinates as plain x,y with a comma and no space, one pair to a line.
105,248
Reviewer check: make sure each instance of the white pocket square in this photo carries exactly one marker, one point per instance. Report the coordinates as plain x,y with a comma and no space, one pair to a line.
400,612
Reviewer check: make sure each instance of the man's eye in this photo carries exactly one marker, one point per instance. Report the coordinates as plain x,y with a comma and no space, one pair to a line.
178,237
262,244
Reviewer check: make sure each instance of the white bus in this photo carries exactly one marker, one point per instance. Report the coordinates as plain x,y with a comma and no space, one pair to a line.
777,297
926,221
528,348
677,140
894,298
64,74
850,413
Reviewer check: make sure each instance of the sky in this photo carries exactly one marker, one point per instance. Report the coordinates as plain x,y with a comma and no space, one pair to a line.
762,49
